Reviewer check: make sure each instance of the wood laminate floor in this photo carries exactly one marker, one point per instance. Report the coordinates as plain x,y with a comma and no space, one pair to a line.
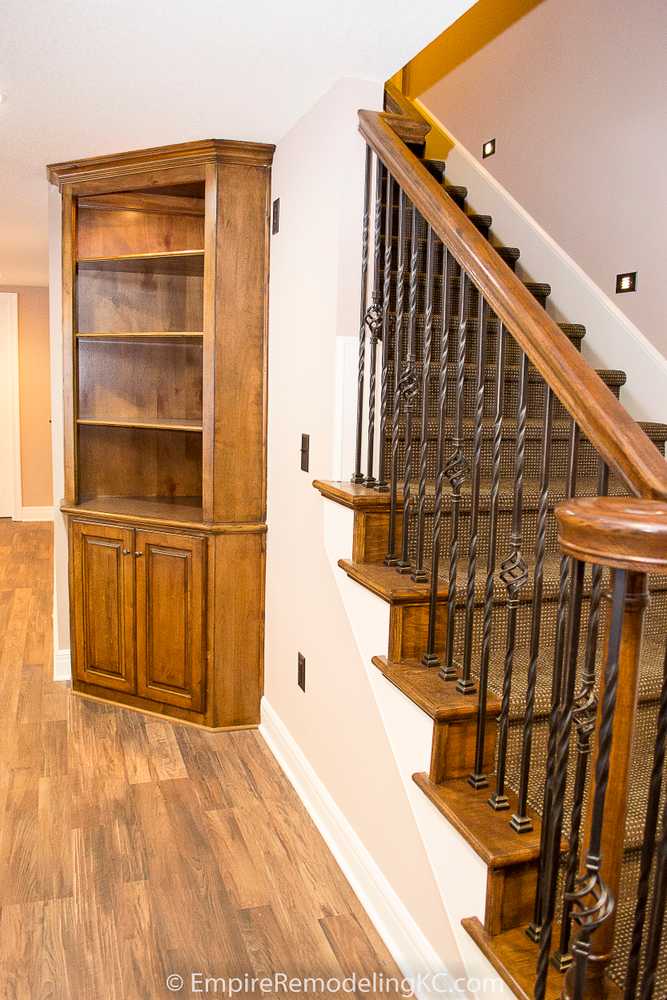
133,849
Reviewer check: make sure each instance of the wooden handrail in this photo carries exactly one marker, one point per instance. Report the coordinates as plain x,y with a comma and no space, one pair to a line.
618,439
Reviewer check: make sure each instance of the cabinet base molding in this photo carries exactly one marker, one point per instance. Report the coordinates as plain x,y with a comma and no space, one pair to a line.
166,716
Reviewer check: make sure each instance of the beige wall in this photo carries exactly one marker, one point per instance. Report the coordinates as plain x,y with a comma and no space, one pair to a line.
34,393
574,94
314,290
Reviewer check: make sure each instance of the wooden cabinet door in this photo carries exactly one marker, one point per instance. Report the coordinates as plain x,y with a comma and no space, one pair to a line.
170,577
103,605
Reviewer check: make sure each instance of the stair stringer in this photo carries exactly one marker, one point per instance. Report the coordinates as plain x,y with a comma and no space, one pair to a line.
460,874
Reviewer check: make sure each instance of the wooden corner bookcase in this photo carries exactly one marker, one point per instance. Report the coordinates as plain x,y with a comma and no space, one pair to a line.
165,275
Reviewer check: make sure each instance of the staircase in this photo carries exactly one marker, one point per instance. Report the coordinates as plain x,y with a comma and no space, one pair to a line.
466,446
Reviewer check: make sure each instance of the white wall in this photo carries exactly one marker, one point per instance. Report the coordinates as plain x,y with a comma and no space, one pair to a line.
318,175
61,657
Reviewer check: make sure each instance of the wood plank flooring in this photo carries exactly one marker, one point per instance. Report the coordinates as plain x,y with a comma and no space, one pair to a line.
132,849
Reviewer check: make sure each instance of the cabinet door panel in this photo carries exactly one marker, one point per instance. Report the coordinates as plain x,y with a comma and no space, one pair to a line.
103,605
170,618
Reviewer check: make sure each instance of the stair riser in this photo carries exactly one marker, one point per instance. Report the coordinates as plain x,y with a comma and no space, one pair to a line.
472,297
513,352
588,463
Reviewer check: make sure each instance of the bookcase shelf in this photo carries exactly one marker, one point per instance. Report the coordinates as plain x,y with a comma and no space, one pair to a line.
186,262
168,337
163,424
165,276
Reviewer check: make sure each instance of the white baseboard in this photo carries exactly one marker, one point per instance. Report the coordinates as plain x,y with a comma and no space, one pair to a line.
62,665
413,953
34,514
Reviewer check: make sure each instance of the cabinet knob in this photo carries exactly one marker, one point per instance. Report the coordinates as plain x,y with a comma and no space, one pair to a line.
127,552
138,554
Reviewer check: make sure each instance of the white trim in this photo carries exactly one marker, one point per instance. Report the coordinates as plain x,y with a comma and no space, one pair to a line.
62,665
34,514
413,953
612,339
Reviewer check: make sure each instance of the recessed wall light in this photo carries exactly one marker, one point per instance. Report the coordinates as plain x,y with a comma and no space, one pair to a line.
489,148
626,282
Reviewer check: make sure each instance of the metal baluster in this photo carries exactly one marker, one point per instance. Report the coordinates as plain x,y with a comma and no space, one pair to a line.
585,712
455,470
520,820
514,574
382,485
534,930
478,778
558,777
591,915
409,384
374,323
465,683
419,574
392,558
430,658
657,915
648,847
357,475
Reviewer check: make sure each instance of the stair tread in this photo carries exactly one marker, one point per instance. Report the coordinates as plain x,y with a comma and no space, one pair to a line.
486,830
397,588
422,685
514,956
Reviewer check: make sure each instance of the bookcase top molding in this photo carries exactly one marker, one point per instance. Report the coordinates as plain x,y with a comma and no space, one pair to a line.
184,154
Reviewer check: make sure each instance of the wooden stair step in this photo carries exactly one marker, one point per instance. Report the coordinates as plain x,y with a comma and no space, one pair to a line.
386,583
422,685
514,956
488,832
353,495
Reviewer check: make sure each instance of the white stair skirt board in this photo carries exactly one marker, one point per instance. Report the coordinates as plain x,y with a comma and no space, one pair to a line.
612,340
459,872
35,514
412,952
62,665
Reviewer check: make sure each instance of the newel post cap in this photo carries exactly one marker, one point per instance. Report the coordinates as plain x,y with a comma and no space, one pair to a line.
621,532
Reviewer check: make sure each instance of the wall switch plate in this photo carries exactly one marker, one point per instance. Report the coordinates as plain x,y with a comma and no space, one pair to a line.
275,216
305,452
301,672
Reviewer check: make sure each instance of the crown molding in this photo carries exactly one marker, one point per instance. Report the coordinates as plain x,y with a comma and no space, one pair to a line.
181,154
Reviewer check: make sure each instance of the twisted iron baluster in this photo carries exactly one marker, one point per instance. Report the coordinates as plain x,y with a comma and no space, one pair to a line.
534,930
381,484
592,901
419,574
657,915
430,658
408,386
648,846
357,475
392,558
584,720
455,471
478,778
520,820
514,574
558,777
465,683
374,315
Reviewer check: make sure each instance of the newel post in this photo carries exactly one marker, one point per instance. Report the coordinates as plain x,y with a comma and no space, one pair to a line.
630,538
